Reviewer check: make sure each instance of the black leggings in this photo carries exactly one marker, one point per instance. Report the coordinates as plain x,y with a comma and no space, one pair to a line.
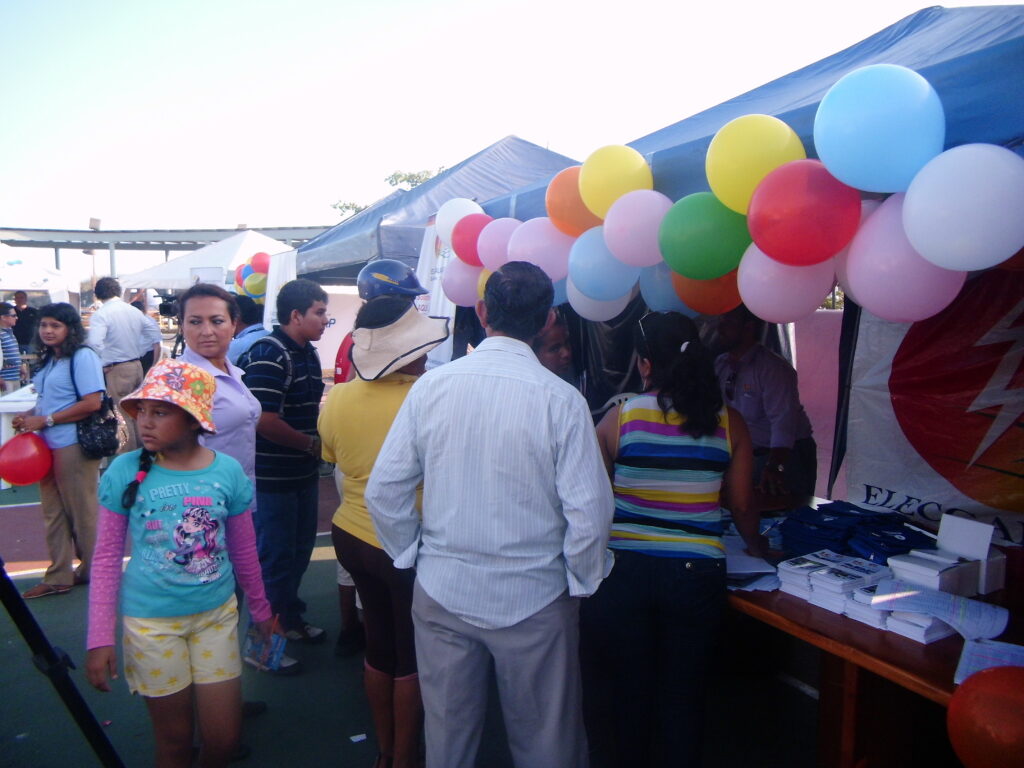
386,594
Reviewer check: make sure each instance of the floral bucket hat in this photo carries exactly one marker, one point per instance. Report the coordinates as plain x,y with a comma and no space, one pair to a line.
182,384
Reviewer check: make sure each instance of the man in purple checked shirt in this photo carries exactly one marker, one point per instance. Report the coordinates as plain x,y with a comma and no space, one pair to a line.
762,386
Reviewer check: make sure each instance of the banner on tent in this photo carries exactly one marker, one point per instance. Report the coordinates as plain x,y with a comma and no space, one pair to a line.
935,410
434,257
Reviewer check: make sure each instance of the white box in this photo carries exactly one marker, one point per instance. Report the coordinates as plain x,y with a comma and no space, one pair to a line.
954,578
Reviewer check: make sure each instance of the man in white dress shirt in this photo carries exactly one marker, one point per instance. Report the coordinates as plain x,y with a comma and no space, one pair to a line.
121,335
516,513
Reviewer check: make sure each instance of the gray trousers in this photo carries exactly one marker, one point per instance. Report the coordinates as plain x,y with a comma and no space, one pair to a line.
536,663
68,496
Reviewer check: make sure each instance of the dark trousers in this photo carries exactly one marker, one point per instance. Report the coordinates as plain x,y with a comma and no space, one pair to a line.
386,594
285,524
647,641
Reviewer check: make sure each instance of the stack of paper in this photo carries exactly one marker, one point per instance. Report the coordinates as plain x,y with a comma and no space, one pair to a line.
918,626
858,606
794,574
830,586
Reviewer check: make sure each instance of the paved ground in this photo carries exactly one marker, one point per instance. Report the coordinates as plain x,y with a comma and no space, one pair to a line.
313,718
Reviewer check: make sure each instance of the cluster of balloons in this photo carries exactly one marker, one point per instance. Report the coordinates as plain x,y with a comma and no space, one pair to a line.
251,277
777,229
25,459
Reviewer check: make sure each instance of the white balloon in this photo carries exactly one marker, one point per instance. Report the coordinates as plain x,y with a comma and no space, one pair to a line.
963,209
449,214
591,309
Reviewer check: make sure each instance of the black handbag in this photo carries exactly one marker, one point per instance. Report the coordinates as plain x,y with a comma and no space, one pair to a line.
102,433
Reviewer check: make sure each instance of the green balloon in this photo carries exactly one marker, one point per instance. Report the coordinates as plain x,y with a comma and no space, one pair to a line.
702,239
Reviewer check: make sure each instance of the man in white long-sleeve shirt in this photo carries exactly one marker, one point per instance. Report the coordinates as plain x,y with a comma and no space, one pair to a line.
121,335
516,513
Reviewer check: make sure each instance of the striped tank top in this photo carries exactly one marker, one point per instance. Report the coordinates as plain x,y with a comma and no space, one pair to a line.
667,484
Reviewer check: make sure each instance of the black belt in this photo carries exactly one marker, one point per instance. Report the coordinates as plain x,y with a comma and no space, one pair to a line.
122,362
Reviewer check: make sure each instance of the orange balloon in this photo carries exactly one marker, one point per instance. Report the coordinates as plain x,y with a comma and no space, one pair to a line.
985,718
709,297
565,206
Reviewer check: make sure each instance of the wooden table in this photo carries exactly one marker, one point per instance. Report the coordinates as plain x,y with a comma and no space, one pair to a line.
866,674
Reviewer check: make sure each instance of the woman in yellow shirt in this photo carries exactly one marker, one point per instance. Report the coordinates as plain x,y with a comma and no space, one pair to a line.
390,342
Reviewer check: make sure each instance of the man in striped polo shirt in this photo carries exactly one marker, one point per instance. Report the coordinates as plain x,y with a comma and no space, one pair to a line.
283,371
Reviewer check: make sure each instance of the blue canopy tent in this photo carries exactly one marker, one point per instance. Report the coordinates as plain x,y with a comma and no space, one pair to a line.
393,227
973,57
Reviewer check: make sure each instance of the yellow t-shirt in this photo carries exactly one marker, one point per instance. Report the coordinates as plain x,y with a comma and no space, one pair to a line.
352,425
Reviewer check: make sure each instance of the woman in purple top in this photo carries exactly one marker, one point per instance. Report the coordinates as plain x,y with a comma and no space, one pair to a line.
206,315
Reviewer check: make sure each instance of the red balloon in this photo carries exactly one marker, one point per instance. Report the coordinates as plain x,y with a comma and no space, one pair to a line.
25,459
709,297
465,234
800,214
260,262
238,275
342,363
986,718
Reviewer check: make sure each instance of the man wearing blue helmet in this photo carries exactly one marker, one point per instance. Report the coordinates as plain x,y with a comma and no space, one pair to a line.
388,277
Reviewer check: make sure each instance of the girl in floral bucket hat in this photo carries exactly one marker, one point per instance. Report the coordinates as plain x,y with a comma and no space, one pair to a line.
187,511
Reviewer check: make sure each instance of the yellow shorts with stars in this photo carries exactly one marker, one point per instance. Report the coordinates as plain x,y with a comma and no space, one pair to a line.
166,655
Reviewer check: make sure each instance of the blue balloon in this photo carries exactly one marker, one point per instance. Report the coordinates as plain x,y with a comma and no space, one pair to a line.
595,272
561,297
658,293
878,126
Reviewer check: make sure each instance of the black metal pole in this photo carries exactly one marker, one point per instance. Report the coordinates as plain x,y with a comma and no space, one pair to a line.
55,663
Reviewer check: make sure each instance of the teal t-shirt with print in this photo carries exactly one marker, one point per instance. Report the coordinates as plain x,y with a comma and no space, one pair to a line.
179,564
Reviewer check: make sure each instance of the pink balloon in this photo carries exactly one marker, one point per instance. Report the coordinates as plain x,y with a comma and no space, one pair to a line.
492,244
782,293
459,282
867,207
540,242
631,227
892,280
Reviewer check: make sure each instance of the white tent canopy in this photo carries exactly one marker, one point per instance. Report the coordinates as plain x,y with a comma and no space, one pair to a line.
228,253
19,273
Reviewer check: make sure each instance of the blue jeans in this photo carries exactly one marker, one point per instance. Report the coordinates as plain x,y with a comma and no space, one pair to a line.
285,534
647,640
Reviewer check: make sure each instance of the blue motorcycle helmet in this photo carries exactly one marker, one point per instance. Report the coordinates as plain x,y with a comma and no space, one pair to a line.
388,277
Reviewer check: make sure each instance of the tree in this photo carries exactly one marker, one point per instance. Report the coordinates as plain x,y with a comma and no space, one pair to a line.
409,179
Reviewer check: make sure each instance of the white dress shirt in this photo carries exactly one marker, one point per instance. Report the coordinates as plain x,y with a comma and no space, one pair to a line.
517,505
119,332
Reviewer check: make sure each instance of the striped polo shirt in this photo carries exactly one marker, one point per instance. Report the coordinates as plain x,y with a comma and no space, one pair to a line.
265,371
667,483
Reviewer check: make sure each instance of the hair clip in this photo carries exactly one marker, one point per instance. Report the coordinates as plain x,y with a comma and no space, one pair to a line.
683,346
140,476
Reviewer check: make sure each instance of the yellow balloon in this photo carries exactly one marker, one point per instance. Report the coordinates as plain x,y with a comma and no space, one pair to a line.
481,282
743,152
256,285
609,173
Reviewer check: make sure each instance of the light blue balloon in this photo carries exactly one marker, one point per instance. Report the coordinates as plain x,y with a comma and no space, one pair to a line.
595,272
878,126
658,293
561,297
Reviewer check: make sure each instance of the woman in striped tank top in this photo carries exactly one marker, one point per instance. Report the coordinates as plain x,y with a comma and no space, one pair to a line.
649,633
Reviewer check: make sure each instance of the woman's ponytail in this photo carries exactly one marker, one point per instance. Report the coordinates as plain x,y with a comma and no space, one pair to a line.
682,370
145,464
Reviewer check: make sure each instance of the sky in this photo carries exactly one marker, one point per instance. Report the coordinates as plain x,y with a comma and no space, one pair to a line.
173,114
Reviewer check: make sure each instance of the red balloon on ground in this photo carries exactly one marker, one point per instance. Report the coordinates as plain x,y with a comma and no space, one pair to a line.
986,718
25,459
709,297
465,234
260,262
801,215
